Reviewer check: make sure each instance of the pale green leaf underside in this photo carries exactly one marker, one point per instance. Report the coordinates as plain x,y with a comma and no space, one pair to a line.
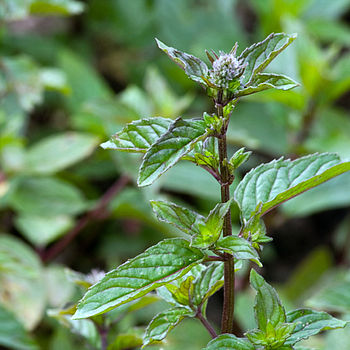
169,148
280,180
268,307
182,218
158,265
259,55
239,247
265,81
138,136
229,341
209,282
193,66
163,323
310,322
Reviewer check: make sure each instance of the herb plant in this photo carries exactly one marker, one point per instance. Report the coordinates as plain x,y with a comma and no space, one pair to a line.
187,272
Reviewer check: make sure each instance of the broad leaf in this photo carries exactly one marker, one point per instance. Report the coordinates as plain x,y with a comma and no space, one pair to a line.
264,81
239,247
155,267
209,282
310,322
229,341
184,219
13,334
259,55
139,135
58,152
193,66
164,322
170,147
280,180
210,230
268,307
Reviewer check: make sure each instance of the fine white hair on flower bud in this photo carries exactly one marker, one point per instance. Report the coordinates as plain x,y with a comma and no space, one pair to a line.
225,69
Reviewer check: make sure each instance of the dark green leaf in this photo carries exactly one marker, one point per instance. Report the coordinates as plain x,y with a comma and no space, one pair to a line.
229,341
280,180
170,148
239,247
193,66
184,219
259,55
310,322
139,135
264,81
208,282
155,267
13,334
164,322
268,307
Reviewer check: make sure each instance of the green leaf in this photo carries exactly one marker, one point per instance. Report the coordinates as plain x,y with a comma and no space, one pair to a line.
57,152
13,334
184,219
193,66
210,230
170,147
164,322
239,247
208,283
56,7
42,230
259,55
264,81
310,322
155,267
139,135
268,307
52,197
126,341
22,281
280,180
229,341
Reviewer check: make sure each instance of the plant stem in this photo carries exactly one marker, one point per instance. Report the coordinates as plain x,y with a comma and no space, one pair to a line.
96,212
206,324
229,268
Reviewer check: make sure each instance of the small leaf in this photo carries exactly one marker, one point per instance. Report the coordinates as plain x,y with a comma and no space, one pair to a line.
239,247
170,147
280,180
139,135
229,341
268,307
182,293
259,55
264,81
193,66
310,322
13,334
163,323
208,282
184,219
155,267
210,230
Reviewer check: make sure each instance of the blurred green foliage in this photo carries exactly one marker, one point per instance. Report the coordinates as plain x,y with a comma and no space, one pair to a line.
73,73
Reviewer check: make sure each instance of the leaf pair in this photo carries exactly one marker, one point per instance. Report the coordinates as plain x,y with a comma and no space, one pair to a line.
163,141
251,62
277,330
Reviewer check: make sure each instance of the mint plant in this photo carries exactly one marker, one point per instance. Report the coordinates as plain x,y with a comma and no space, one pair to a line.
187,272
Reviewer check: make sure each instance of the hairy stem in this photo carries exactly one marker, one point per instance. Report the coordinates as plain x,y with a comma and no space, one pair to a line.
206,324
229,268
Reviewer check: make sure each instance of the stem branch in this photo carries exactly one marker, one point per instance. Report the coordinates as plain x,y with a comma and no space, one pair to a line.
206,324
